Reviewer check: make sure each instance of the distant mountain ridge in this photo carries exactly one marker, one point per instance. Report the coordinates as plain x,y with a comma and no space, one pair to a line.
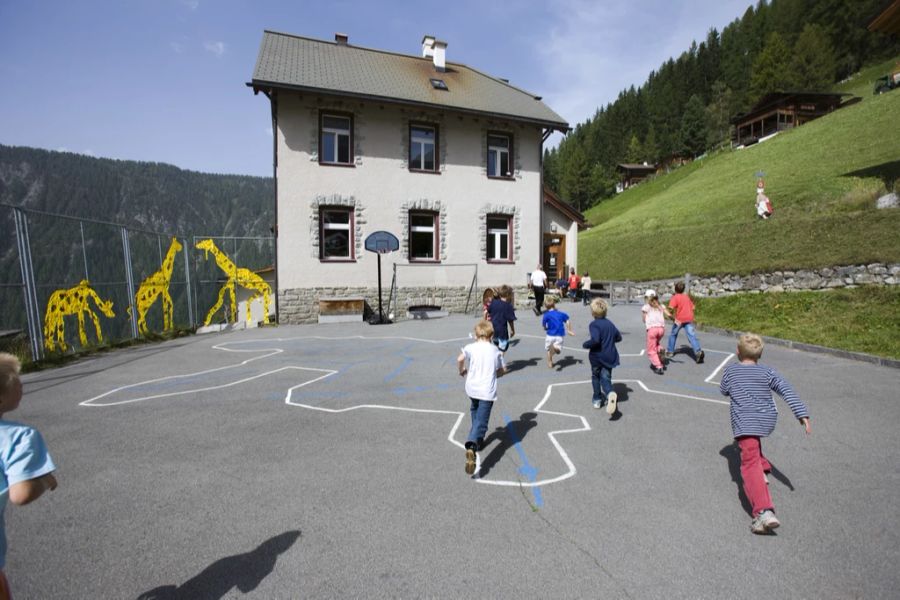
145,195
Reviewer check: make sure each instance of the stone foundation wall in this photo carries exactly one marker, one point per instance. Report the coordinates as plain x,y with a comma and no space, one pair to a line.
301,305
778,281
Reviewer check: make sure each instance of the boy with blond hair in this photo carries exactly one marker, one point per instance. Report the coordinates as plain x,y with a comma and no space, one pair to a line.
603,355
26,469
556,323
481,363
753,416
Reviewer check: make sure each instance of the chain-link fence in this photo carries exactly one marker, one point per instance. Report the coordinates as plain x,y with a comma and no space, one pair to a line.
67,282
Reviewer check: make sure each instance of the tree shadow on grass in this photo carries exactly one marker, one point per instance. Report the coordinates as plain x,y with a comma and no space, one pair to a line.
887,172
241,571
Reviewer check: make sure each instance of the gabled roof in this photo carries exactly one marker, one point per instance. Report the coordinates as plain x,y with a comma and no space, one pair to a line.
567,209
888,20
635,167
293,62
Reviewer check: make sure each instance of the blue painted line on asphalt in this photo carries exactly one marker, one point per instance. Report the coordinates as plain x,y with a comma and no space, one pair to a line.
527,470
406,362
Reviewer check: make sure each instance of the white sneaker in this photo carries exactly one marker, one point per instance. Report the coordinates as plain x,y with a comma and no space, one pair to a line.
765,522
611,403
597,404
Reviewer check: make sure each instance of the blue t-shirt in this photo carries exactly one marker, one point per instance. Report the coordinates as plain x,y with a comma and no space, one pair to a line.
554,322
23,456
501,313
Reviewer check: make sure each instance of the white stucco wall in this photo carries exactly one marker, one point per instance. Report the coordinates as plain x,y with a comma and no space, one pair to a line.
382,189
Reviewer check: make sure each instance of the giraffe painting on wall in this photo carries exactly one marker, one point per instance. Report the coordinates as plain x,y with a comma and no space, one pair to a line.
73,301
236,275
157,286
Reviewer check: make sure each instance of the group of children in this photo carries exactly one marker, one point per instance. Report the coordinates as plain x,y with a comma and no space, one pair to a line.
748,384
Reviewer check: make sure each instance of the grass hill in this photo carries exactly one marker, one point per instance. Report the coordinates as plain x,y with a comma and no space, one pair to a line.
823,179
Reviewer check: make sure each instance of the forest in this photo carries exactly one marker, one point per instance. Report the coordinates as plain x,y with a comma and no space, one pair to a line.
685,107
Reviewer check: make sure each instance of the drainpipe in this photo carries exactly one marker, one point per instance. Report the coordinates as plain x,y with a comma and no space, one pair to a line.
273,102
544,136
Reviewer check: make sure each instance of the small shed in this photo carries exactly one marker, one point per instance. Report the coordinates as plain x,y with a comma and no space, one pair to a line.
779,111
561,223
633,173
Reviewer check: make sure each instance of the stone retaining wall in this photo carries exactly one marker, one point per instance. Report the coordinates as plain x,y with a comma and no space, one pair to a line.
778,281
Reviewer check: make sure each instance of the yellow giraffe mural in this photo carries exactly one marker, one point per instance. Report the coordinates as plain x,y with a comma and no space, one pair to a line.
236,275
153,287
73,301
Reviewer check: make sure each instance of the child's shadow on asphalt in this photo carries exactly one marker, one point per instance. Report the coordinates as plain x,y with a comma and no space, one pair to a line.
732,454
518,365
515,431
568,361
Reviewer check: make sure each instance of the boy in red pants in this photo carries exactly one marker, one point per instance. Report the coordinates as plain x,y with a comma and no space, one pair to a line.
753,415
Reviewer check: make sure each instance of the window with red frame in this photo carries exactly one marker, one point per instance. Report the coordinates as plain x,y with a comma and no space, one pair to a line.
423,236
336,233
499,238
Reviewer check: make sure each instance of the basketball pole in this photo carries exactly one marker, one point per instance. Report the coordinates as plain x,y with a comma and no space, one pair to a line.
380,311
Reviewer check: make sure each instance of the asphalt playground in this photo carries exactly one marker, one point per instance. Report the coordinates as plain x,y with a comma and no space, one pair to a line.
326,461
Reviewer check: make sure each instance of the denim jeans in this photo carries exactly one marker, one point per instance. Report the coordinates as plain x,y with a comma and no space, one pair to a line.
481,414
689,330
601,379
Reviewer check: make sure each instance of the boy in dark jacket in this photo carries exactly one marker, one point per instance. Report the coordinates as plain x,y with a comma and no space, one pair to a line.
603,355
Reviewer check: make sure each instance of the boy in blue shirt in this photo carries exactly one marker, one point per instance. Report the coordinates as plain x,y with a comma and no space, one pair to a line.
26,469
556,323
603,355
501,314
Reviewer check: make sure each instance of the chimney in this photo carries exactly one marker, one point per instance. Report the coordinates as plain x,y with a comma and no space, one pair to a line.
427,46
440,53
341,38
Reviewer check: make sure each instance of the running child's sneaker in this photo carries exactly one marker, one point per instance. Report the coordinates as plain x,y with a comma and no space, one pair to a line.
765,522
700,357
669,354
597,404
470,461
657,370
611,399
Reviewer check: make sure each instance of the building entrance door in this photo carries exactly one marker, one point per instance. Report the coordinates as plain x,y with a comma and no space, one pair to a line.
554,256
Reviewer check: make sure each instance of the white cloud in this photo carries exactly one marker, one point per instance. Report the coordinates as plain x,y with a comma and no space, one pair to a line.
191,4
269,131
217,48
62,149
176,47
89,152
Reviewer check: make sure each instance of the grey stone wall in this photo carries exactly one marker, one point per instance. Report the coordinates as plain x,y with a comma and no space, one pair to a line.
301,305
777,281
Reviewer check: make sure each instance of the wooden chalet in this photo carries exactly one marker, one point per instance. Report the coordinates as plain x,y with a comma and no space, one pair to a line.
780,111
888,20
633,173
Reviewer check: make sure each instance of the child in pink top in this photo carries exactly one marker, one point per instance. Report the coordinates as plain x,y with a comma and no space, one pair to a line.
654,316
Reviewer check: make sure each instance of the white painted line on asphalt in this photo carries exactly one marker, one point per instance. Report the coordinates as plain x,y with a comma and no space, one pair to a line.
719,368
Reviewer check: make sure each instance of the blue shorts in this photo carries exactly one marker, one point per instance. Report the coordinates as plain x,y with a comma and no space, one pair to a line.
502,343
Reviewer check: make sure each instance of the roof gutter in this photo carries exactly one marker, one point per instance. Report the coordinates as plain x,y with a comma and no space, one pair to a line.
270,86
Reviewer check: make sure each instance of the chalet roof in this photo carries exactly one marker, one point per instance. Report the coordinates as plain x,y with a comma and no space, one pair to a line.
567,209
888,20
635,167
293,62
776,99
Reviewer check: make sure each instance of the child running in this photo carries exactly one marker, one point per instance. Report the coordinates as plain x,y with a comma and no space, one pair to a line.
556,323
501,314
481,363
486,298
26,469
603,355
753,415
654,315
683,307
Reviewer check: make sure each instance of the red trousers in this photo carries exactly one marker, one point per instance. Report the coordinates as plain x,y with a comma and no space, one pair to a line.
753,468
654,335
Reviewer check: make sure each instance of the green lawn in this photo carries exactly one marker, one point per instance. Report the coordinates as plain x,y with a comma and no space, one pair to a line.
863,319
823,179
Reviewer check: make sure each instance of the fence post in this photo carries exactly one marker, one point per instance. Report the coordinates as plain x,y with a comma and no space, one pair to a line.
29,289
687,283
129,282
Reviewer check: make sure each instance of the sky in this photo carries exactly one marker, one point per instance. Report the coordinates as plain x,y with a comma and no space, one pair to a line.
164,80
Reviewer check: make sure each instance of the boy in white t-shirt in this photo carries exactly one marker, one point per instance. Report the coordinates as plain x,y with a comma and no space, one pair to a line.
481,363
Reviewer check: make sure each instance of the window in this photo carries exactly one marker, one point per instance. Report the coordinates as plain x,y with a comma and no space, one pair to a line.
499,238
423,236
336,233
439,84
423,148
335,140
499,156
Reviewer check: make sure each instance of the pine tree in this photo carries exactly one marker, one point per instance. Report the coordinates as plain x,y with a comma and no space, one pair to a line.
770,71
813,64
576,179
693,127
651,150
635,153
718,115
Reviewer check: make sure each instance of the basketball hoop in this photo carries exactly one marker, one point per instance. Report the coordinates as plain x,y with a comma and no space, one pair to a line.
381,242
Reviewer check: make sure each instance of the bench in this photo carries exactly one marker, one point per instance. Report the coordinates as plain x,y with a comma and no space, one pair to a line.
341,310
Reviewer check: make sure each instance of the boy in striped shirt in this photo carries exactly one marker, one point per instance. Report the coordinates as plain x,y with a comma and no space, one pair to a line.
753,415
